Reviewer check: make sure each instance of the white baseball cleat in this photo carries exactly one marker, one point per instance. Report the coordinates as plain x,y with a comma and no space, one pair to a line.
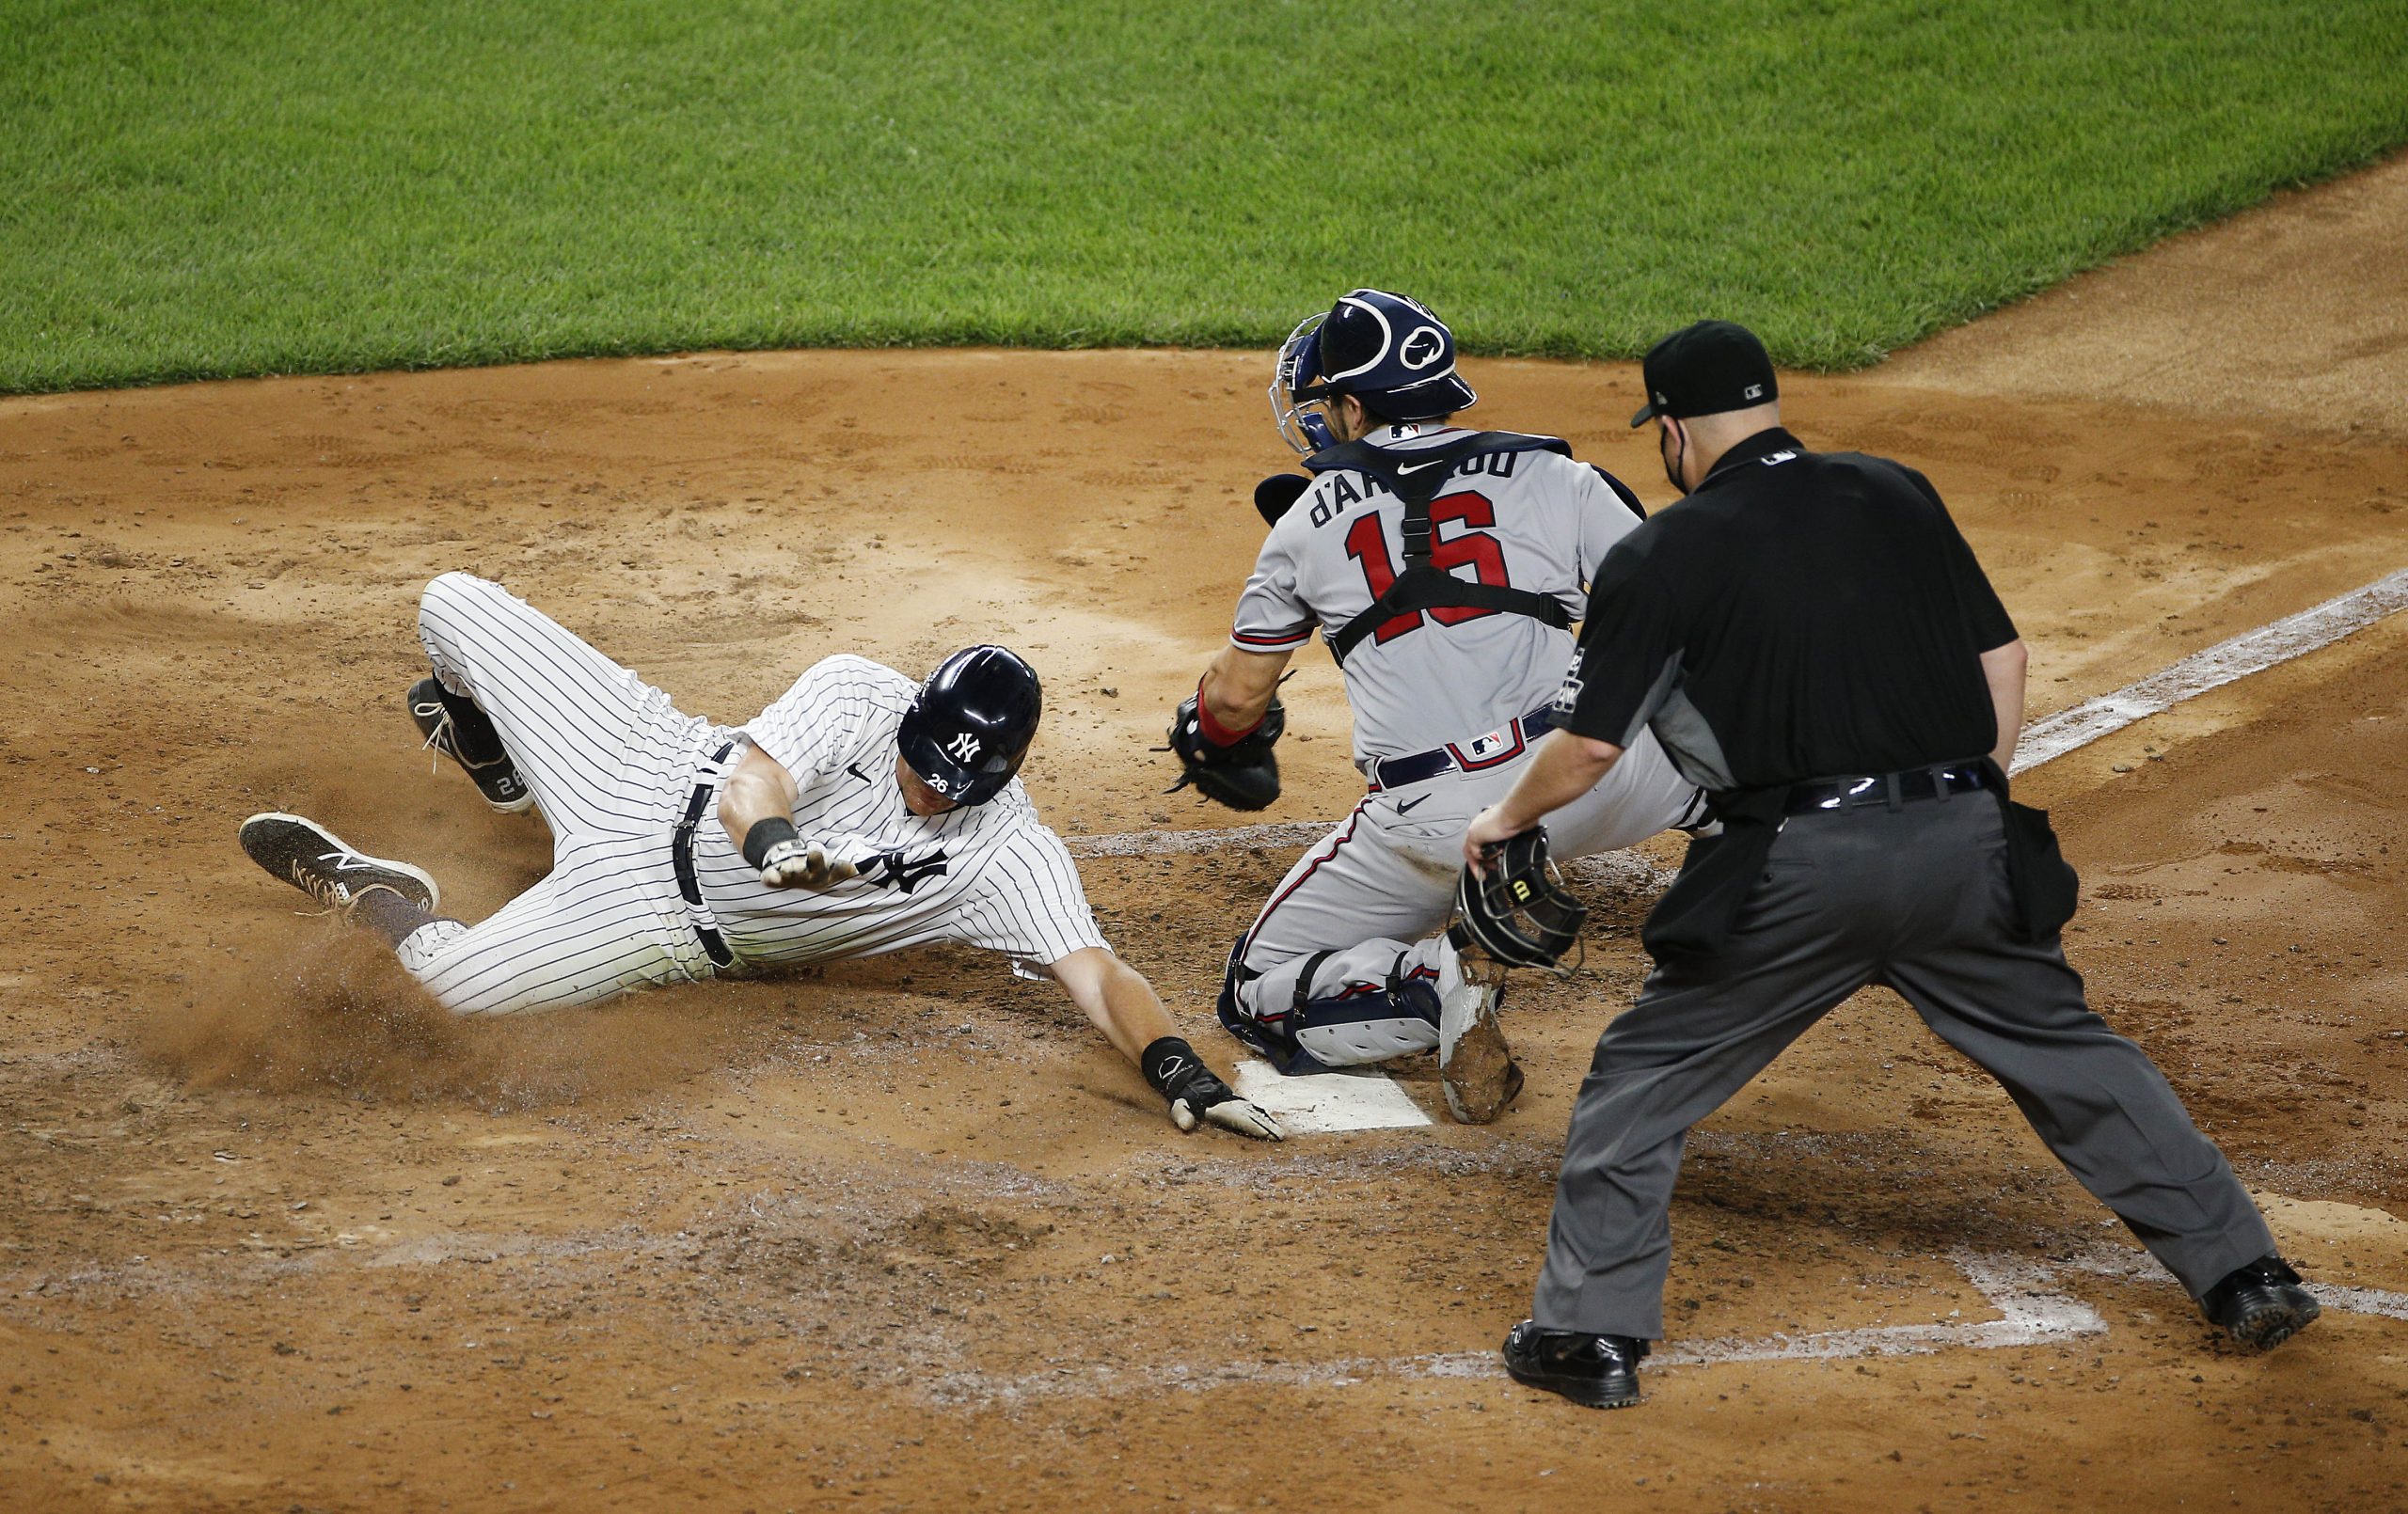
1476,1068
327,868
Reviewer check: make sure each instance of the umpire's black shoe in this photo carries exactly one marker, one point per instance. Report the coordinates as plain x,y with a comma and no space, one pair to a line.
439,719
2261,1304
1601,1371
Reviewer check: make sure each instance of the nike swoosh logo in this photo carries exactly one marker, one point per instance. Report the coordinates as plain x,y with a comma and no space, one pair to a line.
1406,807
856,772
1415,468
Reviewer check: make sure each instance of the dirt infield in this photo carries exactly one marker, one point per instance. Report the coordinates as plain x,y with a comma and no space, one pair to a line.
903,1232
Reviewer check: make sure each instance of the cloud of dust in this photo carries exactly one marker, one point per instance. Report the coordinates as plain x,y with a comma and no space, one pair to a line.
320,1007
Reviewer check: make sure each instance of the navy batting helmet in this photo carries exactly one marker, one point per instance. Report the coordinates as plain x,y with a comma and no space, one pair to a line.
970,724
1386,350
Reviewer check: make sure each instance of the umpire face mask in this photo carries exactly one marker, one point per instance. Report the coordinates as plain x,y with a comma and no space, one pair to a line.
1666,432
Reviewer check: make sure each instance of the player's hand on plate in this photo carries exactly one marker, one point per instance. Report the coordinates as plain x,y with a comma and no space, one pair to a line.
1204,1097
803,865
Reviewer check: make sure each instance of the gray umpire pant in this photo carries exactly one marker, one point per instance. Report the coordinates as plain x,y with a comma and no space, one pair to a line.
1915,898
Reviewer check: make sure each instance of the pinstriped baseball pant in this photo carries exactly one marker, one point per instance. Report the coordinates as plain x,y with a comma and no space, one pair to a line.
611,763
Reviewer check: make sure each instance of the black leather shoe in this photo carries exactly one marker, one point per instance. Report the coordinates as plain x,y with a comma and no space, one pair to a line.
2261,1304
1601,1371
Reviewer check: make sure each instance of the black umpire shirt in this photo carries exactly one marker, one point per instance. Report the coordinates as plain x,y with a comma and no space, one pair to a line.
1799,615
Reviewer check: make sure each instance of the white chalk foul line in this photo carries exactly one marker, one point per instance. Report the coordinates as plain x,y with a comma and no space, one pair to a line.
2251,652
2043,740
2030,1314
2116,1261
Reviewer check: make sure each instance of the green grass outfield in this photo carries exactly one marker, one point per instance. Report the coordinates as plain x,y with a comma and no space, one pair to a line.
196,189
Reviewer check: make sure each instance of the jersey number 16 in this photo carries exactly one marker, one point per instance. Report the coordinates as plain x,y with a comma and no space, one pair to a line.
1367,543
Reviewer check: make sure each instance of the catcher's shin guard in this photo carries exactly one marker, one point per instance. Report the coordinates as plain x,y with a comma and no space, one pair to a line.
1362,1022
1267,1038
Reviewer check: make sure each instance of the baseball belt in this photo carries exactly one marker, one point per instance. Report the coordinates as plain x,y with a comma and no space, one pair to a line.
1495,748
1889,790
681,859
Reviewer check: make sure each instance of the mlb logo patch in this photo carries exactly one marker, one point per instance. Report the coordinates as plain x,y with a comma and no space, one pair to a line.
1481,748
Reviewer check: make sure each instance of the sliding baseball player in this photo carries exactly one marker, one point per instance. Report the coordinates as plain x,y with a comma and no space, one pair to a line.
859,814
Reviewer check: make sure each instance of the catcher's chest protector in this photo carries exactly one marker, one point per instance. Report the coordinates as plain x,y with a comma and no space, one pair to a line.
1417,481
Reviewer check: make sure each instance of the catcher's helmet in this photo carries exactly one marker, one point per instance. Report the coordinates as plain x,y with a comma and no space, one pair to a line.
1387,351
1520,913
970,724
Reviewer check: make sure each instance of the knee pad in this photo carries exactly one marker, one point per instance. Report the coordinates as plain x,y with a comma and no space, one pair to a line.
1267,1038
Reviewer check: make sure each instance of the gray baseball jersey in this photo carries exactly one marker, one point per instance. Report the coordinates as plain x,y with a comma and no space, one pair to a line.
1331,964
1536,521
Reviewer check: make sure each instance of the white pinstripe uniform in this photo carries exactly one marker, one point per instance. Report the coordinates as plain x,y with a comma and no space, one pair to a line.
1358,910
614,768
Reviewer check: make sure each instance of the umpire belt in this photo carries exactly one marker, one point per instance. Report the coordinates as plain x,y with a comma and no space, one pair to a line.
1494,749
681,859
1889,790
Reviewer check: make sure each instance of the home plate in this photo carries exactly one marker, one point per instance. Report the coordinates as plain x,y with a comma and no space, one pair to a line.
1329,1101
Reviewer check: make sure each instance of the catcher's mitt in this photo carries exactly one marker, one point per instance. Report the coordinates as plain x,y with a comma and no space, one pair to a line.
1243,775
1519,911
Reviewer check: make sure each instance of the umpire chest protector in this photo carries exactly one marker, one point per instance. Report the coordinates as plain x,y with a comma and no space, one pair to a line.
1422,586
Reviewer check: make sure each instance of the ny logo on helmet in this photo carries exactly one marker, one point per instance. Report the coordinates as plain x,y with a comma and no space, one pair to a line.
964,747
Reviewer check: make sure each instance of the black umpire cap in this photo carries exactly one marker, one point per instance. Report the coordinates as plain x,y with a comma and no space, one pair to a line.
1703,369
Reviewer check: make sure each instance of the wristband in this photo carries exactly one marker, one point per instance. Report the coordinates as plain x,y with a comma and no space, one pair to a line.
1169,1064
1213,730
766,834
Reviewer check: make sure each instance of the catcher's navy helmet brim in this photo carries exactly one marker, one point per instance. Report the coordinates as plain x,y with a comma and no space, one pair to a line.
1441,396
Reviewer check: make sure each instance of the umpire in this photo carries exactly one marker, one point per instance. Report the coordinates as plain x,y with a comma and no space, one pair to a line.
1813,644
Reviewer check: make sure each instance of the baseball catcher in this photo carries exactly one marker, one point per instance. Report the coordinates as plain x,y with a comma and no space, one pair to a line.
860,813
1442,566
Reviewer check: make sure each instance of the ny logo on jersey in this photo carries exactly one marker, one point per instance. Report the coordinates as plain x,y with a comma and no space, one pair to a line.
964,747
893,870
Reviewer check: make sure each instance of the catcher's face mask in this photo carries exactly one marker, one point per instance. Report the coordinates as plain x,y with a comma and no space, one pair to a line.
1519,912
1299,398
